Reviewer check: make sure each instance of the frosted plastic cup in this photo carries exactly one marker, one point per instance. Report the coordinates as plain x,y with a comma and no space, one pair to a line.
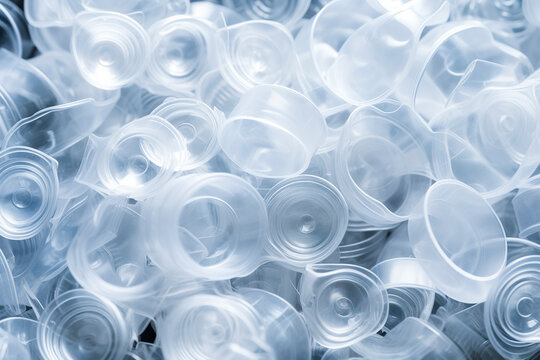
525,209
22,254
23,90
111,49
285,329
254,53
342,304
136,161
506,213
50,23
458,45
307,218
501,126
181,52
531,11
382,164
14,31
518,248
207,326
29,192
197,123
376,57
398,245
80,325
404,272
211,226
25,331
318,43
217,93
272,132
361,247
107,257
404,302
287,12
12,348
411,339
9,297
459,241
217,14
511,311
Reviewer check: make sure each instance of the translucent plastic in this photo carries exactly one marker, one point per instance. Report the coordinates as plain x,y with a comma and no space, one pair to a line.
9,297
307,218
181,52
511,310
361,247
531,11
218,93
459,241
215,13
272,132
111,49
404,272
197,123
287,12
25,331
254,53
206,226
77,325
518,248
342,303
11,348
525,207
14,34
29,191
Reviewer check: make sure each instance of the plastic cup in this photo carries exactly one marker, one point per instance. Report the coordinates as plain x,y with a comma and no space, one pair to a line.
9,297
307,218
531,11
459,241
511,310
255,53
29,191
361,247
24,330
382,165
181,52
12,348
110,49
285,329
518,248
136,161
272,132
14,34
210,226
80,325
398,245
526,213
22,254
342,304
217,14
287,12
217,93
197,123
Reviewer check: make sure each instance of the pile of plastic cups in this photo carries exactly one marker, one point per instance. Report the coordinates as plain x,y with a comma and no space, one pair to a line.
269,180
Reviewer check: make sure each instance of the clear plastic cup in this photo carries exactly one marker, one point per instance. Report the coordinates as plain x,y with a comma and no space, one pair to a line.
23,254
181,52
459,241
24,330
217,14
531,11
272,132
12,348
361,247
197,123
255,53
209,226
207,326
398,245
218,93
15,36
511,310
287,12
382,163
79,325
376,57
518,248
307,218
342,303
29,192
404,272
111,49
9,297
136,161
285,329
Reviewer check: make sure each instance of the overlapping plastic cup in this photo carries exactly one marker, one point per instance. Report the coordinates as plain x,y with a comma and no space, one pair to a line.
382,163
342,303
361,247
531,11
511,311
181,52
287,12
111,49
272,132
506,213
398,245
307,218
205,327
80,325
9,298
24,330
501,126
217,14
459,241
209,226
411,339
255,53
197,123
285,329
23,90
428,87
136,161
12,348
218,93
15,36
29,192
518,248
22,254
377,56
